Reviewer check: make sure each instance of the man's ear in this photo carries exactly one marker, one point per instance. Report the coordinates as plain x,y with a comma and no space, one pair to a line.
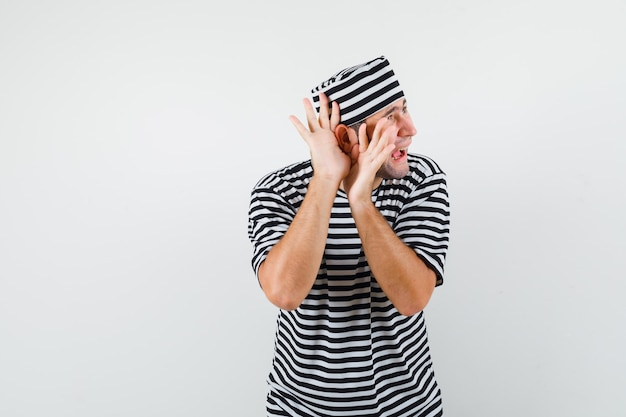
343,139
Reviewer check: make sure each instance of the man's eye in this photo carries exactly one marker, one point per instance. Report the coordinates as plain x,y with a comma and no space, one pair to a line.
390,117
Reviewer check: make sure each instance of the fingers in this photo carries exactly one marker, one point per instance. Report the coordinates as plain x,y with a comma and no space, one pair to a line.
303,131
324,116
363,138
379,146
377,134
385,145
335,116
354,146
329,118
310,115
383,134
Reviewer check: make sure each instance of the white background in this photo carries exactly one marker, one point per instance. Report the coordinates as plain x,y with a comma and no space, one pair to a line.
131,133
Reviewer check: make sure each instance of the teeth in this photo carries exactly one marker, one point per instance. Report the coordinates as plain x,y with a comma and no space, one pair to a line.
402,152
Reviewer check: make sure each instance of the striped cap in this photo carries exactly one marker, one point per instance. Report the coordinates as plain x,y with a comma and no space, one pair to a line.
361,90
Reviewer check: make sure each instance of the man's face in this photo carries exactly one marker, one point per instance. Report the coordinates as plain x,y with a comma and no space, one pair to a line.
396,114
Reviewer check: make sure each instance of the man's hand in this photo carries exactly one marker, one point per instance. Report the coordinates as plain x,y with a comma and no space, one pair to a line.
371,155
329,161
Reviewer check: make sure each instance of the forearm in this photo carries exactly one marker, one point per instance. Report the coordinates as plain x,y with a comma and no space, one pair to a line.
292,265
406,280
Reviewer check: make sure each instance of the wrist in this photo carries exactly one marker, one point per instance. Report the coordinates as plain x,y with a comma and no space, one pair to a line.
360,204
324,182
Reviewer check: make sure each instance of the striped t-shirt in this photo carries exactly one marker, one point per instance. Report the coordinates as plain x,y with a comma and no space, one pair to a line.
346,350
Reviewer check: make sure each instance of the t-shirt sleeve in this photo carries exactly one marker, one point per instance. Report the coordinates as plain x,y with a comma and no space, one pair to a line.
424,222
269,217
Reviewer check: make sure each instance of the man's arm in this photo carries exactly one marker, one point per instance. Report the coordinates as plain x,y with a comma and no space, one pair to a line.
406,280
292,265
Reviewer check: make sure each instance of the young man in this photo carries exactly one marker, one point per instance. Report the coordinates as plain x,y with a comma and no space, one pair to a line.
350,245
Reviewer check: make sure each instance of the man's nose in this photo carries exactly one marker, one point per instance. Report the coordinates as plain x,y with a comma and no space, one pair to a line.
407,128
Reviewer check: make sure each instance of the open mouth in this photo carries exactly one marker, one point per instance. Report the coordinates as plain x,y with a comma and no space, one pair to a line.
400,153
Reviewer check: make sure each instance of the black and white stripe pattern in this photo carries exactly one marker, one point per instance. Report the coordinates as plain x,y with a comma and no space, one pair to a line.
361,90
346,351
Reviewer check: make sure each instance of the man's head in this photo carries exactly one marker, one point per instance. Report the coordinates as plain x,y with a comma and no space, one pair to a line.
367,93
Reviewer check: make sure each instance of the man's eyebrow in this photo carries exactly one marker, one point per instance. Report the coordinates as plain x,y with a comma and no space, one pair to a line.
394,108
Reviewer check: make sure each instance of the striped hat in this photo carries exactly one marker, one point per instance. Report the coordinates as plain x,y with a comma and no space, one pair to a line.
361,90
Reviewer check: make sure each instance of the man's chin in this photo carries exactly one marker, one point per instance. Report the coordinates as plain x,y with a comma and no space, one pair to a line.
393,172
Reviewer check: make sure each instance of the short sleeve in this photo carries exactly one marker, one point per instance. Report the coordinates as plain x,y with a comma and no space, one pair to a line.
424,222
269,217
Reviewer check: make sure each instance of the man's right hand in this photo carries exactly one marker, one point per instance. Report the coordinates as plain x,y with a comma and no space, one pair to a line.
328,159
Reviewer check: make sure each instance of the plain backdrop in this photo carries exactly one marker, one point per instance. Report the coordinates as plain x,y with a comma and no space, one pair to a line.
131,134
